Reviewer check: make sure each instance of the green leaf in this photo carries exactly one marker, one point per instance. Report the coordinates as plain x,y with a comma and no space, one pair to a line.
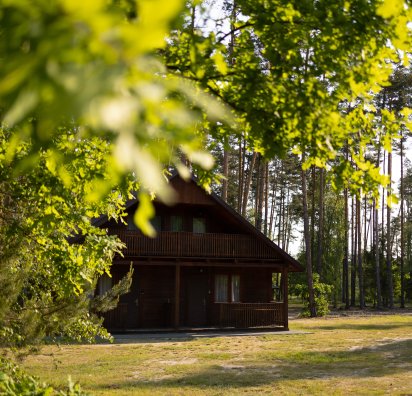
144,213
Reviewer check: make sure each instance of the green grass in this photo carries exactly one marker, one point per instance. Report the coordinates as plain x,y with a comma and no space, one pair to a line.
336,356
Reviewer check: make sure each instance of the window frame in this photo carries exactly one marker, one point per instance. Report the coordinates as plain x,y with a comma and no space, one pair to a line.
230,297
202,221
180,227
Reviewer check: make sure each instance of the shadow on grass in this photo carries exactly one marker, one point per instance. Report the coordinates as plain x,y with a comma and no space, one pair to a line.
355,363
142,338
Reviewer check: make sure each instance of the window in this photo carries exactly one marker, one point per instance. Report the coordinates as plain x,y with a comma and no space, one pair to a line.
105,284
221,286
131,226
222,292
235,288
176,223
156,223
199,225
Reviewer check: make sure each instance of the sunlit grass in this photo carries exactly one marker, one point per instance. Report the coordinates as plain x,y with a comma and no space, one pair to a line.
338,356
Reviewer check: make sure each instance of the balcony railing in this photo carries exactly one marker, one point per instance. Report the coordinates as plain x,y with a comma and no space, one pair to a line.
244,315
187,244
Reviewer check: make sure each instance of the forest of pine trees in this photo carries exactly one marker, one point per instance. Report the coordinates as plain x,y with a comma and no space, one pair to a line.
320,205
359,245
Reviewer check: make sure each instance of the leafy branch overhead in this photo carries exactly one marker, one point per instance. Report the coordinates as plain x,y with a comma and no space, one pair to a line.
302,76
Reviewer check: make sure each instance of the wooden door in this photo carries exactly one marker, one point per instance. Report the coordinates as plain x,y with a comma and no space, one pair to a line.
197,295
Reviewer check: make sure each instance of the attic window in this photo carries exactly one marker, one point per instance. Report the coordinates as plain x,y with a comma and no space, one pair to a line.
176,223
199,225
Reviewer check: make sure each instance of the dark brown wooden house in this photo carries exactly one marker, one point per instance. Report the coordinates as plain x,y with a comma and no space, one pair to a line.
207,267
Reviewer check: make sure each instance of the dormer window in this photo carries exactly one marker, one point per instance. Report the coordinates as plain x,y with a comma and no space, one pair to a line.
199,225
176,223
157,223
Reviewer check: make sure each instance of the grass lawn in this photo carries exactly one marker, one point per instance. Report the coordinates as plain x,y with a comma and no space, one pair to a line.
335,356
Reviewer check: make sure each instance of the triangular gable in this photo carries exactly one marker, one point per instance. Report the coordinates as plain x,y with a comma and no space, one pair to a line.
293,265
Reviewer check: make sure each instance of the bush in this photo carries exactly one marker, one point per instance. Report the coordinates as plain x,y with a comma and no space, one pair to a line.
322,292
14,381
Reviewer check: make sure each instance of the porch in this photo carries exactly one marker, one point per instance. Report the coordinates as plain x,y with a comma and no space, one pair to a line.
193,297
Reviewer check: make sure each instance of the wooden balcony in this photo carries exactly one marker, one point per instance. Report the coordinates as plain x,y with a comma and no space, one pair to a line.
245,315
187,244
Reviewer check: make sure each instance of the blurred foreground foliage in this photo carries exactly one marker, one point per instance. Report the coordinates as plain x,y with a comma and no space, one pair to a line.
14,381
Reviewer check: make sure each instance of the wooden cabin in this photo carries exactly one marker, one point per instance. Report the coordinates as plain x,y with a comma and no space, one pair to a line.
207,267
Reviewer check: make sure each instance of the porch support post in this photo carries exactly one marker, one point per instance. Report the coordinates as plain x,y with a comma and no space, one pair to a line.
177,297
285,297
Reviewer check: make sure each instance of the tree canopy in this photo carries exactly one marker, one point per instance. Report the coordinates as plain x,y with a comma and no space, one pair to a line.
98,97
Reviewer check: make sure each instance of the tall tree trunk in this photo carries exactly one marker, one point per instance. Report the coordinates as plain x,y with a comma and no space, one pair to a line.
388,237
312,220
346,254
240,176
266,198
247,183
354,257
402,233
225,170
272,209
377,258
360,268
281,203
320,228
259,192
226,145
285,217
377,245
383,208
306,230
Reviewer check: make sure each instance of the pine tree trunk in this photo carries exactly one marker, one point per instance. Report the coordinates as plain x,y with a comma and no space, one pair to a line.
272,209
266,198
354,255
402,234
360,268
307,235
320,228
240,176
346,254
377,258
259,192
286,219
312,220
247,183
388,238
225,171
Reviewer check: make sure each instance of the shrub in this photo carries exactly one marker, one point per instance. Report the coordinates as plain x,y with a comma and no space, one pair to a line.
322,292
